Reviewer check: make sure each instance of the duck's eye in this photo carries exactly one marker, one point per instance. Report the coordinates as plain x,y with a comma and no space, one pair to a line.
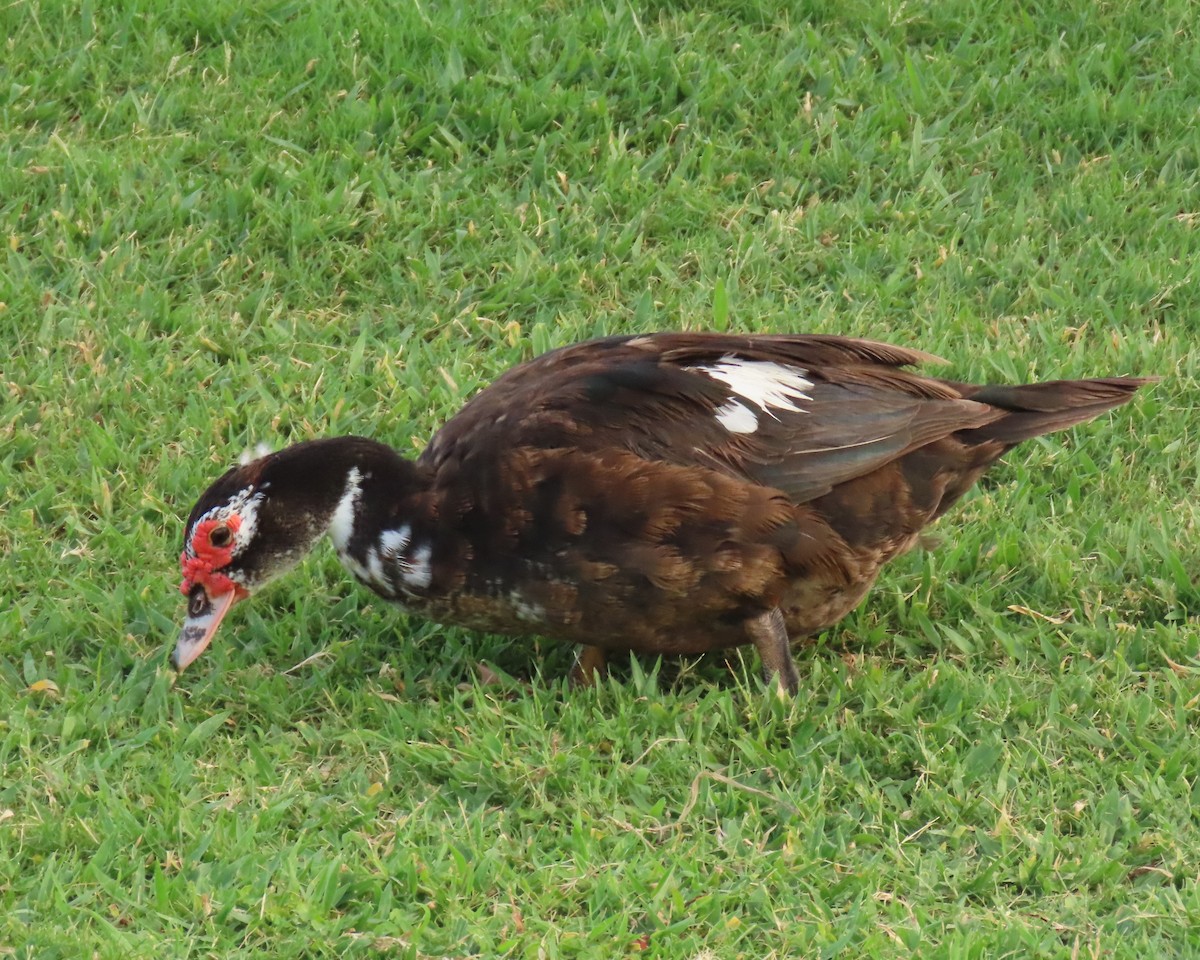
220,537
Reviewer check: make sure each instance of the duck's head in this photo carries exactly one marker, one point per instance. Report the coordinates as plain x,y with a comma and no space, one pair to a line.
231,546
257,521
261,519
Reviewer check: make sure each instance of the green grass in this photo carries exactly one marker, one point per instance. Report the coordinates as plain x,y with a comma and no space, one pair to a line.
226,222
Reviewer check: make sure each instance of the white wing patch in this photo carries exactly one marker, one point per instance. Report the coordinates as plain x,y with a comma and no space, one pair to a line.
736,417
764,383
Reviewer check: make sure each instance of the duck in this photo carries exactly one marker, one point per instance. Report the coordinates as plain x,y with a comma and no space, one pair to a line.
668,493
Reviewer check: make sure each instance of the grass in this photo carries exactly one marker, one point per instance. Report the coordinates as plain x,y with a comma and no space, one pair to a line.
232,222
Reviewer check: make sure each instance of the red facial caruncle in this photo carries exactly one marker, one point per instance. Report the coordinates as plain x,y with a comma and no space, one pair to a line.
210,548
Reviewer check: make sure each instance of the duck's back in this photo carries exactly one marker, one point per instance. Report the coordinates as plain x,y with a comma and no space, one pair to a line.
800,413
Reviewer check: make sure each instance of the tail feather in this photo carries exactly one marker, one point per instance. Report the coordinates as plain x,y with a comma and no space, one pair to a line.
1038,408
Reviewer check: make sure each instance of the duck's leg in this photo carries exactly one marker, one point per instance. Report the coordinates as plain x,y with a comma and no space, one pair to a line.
590,663
768,632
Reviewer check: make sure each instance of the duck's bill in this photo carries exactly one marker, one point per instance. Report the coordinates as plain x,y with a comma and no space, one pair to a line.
205,614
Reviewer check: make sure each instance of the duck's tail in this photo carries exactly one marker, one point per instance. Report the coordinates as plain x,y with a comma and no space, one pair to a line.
1037,408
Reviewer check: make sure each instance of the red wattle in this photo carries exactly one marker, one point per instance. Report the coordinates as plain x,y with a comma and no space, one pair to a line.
199,565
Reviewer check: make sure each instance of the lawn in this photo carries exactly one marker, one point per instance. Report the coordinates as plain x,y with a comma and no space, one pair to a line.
233,222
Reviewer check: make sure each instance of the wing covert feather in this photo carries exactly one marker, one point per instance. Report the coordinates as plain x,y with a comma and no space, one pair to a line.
650,395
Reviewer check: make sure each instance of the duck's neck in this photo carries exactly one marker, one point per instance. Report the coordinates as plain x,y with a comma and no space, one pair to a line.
355,483
341,485
377,509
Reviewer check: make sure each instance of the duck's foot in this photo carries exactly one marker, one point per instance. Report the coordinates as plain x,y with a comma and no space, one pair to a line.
590,665
769,635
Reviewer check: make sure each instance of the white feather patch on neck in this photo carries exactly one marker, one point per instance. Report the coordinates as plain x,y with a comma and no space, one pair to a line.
417,570
341,525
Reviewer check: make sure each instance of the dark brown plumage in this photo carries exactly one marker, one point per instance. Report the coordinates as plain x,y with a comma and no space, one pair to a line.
670,493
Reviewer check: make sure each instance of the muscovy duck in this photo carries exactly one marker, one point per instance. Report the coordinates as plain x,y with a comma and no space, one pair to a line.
669,493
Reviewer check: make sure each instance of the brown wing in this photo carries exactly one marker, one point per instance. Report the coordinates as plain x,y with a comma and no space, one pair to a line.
662,397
